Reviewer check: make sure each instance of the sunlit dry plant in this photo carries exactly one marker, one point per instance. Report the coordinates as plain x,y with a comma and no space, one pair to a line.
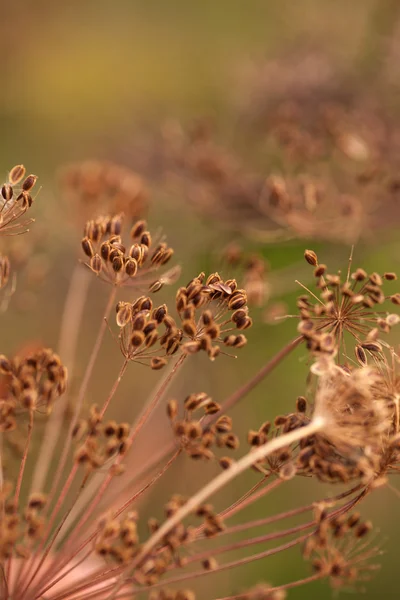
75,521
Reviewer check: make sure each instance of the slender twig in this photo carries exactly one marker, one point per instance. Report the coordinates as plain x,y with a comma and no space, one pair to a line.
261,374
82,392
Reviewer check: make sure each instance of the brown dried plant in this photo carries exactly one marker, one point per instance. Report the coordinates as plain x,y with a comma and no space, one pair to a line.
81,529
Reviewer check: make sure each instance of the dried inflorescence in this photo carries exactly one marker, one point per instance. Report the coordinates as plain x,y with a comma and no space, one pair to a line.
345,308
100,441
95,186
122,265
16,199
141,338
20,530
210,309
198,439
339,550
30,384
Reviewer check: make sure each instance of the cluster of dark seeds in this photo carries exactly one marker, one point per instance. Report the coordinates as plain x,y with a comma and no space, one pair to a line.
101,440
139,325
15,200
32,383
204,306
118,540
338,549
348,308
197,439
19,532
117,264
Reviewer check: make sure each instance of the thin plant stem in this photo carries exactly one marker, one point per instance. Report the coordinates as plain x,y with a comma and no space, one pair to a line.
20,477
149,409
261,374
68,340
82,392
114,388
49,574
220,568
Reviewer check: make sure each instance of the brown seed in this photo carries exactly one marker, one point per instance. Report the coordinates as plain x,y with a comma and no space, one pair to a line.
16,174
311,257
29,183
87,247
7,192
172,409
95,264
157,363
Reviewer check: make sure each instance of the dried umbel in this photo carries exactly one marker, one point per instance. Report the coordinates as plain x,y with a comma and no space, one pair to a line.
147,335
99,441
345,311
122,265
201,440
340,550
30,384
210,309
15,200
95,186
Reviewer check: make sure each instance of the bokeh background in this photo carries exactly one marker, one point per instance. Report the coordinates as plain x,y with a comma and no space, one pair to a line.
121,81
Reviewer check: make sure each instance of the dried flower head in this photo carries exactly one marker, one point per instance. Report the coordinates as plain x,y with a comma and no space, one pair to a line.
95,186
121,265
15,200
345,309
209,310
339,550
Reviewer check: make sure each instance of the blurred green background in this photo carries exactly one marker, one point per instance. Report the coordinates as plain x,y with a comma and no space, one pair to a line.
85,80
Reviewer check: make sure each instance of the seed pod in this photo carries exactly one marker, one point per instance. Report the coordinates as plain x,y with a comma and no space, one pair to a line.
95,264
124,313
157,363
390,276
117,263
155,287
29,183
137,339
87,247
145,239
189,328
16,174
360,355
160,313
138,321
7,192
311,257
172,409
131,267
225,462
138,228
